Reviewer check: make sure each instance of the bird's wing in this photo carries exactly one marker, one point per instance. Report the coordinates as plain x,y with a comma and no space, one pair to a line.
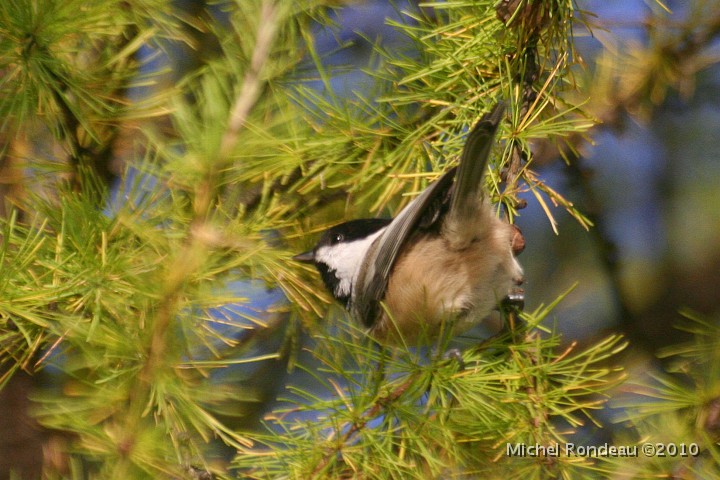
372,282
373,279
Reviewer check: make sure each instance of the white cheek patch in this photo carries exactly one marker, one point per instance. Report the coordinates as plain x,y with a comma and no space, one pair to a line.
345,259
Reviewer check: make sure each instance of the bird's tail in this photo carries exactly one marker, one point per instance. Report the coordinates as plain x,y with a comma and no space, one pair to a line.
473,162
467,192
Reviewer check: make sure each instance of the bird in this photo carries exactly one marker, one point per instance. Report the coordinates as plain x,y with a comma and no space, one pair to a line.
446,261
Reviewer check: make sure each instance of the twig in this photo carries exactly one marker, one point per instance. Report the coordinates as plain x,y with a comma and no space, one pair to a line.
244,102
371,413
252,83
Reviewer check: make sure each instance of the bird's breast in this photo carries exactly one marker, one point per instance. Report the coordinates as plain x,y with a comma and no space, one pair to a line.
433,283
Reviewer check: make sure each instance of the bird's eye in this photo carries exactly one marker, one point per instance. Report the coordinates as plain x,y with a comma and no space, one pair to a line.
337,238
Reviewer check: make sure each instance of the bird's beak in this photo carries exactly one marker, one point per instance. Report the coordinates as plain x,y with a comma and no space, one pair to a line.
307,257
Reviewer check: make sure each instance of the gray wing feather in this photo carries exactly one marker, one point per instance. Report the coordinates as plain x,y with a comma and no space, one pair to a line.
372,282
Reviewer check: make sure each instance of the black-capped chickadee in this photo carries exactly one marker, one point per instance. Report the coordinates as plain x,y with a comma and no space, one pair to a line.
445,258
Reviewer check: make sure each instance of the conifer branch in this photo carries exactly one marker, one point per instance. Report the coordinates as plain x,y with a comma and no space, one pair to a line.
196,246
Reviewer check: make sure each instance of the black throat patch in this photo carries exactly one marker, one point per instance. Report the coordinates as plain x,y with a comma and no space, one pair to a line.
332,282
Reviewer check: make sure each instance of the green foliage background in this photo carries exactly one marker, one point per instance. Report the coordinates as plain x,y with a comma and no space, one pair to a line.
121,302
